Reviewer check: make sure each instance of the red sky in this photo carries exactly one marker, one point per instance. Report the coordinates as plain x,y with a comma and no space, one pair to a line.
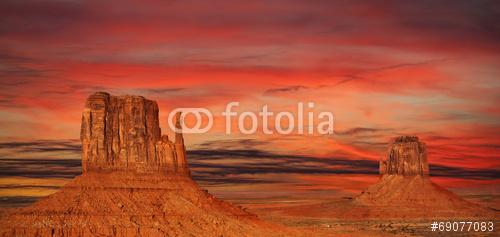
383,68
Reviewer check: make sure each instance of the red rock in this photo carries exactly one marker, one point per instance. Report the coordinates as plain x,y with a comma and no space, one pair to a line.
123,133
180,149
407,156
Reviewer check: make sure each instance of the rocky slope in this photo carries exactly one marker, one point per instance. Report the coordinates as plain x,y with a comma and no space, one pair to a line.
135,182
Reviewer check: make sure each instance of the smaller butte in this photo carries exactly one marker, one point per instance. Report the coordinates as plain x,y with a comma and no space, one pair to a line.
404,190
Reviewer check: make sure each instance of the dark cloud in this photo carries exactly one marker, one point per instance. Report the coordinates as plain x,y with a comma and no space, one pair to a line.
40,168
11,57
477,16
291,89
39,17
72,145
24,71
216,160
363,74
214,167
261,162
230,144
431,20
455,172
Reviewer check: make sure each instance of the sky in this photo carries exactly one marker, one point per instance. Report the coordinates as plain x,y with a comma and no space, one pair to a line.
383,68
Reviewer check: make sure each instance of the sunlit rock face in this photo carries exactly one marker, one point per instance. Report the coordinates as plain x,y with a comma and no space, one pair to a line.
123,133
407,156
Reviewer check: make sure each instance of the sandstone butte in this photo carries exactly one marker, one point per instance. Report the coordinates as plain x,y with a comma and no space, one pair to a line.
135,182
404,190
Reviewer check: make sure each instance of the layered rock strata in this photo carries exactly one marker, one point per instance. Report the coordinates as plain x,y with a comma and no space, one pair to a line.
123,133
407,156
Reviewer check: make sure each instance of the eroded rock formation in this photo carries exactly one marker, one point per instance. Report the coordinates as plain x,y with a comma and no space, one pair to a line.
123,133
407,156
135,183
406,190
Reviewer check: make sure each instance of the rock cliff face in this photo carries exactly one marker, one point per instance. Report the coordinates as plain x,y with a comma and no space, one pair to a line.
407,156
123,133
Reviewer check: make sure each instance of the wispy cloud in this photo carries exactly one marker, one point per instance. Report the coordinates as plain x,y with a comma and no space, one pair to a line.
364,74
284,89
159,90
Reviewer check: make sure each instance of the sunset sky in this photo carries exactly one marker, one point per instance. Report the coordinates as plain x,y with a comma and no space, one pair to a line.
383,68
